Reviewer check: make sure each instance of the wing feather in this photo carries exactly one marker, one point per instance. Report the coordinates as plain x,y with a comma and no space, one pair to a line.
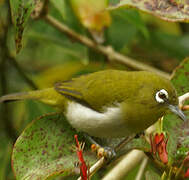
98,90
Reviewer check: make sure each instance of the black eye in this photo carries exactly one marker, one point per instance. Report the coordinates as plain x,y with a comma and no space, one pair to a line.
162,95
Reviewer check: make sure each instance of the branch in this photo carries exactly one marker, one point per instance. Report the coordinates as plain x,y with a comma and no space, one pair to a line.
182,99
107,51
96,166
125,165
142,168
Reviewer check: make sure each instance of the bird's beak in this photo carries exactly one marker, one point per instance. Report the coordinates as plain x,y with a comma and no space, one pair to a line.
177,111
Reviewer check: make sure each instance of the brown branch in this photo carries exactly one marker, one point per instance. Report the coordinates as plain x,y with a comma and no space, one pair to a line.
108,51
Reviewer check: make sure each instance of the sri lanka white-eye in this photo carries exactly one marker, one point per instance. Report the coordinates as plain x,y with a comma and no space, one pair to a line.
110,103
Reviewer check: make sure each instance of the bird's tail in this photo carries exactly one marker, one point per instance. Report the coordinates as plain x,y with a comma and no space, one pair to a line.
16,96
48,96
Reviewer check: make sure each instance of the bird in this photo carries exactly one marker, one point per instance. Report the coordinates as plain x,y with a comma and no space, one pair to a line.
109,103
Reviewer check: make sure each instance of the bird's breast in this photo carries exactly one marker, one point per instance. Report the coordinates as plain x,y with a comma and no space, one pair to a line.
108,124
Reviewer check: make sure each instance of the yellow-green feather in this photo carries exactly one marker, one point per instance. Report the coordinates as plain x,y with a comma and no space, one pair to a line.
48,96
107,88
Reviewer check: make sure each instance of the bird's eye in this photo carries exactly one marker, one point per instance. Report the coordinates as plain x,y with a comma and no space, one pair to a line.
161,96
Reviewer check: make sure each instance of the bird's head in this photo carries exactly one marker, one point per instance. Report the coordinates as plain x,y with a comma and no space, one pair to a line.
161,94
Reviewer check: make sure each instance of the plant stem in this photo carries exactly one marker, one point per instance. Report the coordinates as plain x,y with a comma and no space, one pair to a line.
142,169
125,165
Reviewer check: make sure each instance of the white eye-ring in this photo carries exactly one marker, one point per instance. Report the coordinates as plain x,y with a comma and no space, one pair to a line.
161,96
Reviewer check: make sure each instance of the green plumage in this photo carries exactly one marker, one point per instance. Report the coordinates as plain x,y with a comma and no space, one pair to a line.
107,88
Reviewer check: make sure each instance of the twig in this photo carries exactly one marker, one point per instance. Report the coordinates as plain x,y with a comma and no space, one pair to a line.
182,99
108,51
125,165
142,168
124,142
96,166
22,73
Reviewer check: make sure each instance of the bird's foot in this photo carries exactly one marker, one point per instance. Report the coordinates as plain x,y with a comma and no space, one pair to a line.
138,135
107,152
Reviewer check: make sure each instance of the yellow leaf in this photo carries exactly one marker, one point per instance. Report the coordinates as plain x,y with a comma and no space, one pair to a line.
92,13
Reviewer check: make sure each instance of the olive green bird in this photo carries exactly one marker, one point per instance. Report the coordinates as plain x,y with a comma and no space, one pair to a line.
110,103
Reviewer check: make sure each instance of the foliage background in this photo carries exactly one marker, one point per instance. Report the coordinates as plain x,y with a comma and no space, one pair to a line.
48,56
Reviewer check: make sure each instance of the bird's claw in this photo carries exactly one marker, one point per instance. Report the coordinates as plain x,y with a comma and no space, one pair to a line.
106,152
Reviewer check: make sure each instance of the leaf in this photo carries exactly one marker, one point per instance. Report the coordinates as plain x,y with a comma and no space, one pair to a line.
170,10
177,129
180,77
92,14
60,5
133,17
21,10
45,149
121,32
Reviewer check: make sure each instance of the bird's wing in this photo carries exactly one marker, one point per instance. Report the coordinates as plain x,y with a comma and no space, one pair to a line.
70,90
97,90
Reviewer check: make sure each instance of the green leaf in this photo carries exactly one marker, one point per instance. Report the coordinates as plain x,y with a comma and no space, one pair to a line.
20,10
133,17
60,5
45,149
177,129
168,10
181,77
121,32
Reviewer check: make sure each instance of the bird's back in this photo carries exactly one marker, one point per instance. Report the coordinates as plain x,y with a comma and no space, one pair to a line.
105,88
